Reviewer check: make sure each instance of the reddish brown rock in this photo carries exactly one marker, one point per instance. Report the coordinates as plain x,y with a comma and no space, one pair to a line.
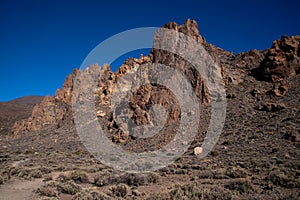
65,94
190,28
281,61
57,110
52,111
279,89
248,60
272,107
48,112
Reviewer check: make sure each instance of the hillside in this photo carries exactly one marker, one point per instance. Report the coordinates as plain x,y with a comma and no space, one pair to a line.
16,110
255,157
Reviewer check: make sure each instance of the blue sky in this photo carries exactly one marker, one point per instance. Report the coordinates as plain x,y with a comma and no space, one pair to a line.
42,41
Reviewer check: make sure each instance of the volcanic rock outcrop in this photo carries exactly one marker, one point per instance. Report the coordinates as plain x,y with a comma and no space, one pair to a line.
274,64
256,155
51,111
282,60
57,110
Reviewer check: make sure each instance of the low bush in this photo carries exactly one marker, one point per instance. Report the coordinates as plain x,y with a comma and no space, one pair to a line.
194,192
76,176
47,190
79,177
120,190
69,187
104,178
138,179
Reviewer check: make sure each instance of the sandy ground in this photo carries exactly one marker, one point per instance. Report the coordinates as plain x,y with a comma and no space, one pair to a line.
19,189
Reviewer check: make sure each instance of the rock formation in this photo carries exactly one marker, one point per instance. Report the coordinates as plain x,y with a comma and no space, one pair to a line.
51,111
282,60
274,64
55,110
256,156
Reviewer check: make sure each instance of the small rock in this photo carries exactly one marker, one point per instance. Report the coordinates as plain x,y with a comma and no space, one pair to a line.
279,91
120,137
136,192
198,150
231,96
293,136
271,107
255,92
100,113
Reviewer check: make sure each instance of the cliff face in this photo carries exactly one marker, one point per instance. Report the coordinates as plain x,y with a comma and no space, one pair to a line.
51,111
282,60
189,28
275,64
57,110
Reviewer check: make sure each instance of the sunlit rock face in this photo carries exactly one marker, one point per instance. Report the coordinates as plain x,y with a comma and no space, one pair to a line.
57,110
282,60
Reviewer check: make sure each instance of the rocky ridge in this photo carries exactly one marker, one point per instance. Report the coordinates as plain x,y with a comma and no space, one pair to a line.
275,64
256,156
282,60
52,111
56,110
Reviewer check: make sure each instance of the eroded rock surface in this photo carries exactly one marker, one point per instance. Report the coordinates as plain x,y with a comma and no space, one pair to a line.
282,60
57,110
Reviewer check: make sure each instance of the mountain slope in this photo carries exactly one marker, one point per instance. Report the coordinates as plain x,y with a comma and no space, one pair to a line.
256,156
16,110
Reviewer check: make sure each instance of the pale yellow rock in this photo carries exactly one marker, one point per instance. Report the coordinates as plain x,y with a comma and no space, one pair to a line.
198,150
101,113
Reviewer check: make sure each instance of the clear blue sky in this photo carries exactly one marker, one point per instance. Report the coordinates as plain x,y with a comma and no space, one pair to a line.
42,41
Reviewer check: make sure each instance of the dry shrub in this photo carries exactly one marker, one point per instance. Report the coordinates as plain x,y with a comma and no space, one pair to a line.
69,187
76,176
120,190
47,190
